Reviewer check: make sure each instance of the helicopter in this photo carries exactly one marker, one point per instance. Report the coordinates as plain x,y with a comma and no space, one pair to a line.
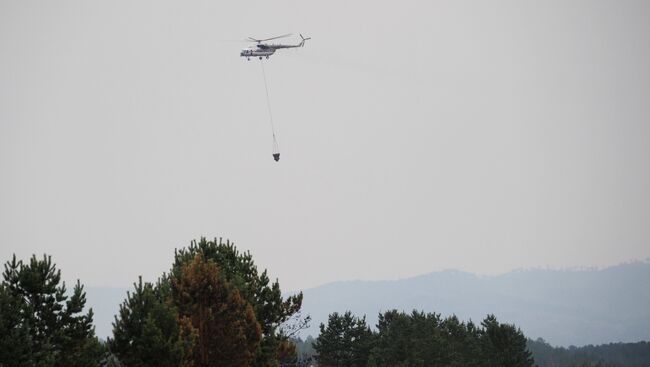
266,50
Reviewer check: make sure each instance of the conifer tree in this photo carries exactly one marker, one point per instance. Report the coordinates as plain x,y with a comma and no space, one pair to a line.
420,339
409,340
147,331
15,342
272,311
504,345
346,341
49,327
228,333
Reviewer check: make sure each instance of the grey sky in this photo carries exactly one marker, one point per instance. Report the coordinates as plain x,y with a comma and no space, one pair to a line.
415,135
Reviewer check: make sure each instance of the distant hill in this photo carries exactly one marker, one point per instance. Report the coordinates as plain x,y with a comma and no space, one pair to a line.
565,307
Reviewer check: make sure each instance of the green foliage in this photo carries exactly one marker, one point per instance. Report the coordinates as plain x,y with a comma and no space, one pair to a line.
346,341
39,324
146,332
15,340
418,340
408,340
504,345
213,309
606,355
272,311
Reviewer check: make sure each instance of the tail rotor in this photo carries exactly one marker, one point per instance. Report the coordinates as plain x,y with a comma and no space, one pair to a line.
302,43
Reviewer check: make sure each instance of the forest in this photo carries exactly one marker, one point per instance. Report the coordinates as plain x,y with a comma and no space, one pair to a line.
214,307
606,355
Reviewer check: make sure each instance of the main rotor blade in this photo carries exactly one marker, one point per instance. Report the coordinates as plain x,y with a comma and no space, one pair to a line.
272,38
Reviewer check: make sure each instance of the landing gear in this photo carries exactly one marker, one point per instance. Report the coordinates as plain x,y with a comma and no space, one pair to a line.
260,57
248,58
267,57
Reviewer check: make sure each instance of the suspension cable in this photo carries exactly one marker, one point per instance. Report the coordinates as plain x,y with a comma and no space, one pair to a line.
268,104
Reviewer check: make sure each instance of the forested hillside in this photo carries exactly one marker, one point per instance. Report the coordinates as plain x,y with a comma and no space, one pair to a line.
565,307
214,307
605,355
543,354
557,305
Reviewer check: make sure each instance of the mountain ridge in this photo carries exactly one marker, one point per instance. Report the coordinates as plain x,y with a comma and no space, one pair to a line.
576,306
565,307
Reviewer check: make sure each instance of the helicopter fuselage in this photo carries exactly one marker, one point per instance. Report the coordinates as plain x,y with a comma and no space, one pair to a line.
257,52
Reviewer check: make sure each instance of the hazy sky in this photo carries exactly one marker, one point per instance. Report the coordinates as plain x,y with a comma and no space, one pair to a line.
415,135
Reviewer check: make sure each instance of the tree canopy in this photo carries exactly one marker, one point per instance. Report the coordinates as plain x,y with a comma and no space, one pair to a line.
419,339
274,313
228,333
605,355
215,309
212,309
40,324
346,341
147,332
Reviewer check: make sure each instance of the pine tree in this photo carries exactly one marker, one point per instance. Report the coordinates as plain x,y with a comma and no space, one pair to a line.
49,327
346,341
147,331
421,339
15,341
272,311
414,339
228,333
504,345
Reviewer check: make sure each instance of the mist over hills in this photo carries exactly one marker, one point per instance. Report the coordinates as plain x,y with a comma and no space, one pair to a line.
565,307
